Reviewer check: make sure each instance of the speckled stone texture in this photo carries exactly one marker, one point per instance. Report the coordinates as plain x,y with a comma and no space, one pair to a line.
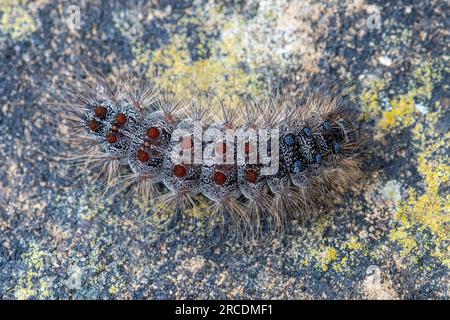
60,239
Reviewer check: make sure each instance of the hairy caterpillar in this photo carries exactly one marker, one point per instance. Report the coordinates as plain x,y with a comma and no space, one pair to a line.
260,162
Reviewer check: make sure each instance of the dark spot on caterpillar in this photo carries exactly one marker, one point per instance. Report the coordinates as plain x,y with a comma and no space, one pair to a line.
298,167
251,176
336,147
318,158
179,171
121,119
153,133
143,155
327,126
220,178
307,131
94,126
100,112
111,138
289,139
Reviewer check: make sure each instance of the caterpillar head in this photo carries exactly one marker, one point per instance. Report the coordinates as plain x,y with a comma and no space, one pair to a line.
111,124
119,130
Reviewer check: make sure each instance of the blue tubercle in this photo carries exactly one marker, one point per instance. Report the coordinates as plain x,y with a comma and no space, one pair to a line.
298,168
289,139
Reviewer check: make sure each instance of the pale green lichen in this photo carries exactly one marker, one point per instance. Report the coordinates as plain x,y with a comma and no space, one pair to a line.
338,256
371,99
391,191
33,284
16,21
233,53
326,257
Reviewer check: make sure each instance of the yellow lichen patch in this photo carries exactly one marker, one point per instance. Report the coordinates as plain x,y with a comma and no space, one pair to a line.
91,209
370,100
322,223
403,108
16,21
330,256
221,71
402,113
425,76
401,236
162,213
326,257
200,211
354,244
116,287
341,265
113,290
27,286
430,210
233,53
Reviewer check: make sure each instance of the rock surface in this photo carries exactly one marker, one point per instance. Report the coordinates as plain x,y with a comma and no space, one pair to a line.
60,239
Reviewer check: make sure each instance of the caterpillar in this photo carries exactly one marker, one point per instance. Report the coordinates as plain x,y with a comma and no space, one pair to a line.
259,162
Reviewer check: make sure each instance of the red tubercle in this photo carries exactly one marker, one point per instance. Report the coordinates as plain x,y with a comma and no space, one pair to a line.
111,138
251,176
100,112
153,133
143,156
121,119
179,171
248,148
94,126
219,178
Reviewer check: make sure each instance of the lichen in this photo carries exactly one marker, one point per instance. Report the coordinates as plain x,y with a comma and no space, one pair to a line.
402,109
427,211
338,256
426,76
401,113
221,71
234,53
16,21
326,257
371,99
33,283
